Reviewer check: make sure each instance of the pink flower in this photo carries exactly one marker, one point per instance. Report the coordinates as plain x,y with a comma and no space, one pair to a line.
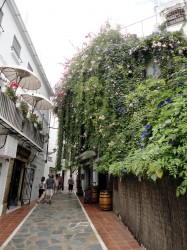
14,85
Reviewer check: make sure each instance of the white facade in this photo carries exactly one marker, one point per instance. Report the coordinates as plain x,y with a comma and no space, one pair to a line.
52,146
23,149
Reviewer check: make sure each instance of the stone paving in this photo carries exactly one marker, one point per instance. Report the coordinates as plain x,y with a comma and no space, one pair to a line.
61,225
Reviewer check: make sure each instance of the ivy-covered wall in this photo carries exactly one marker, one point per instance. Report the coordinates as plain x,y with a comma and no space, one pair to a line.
135,122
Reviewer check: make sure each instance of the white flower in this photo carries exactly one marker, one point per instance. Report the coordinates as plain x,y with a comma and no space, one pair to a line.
110,144
180,51
101,117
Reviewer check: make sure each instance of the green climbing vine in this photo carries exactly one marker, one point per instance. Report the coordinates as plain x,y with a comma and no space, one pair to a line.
125,98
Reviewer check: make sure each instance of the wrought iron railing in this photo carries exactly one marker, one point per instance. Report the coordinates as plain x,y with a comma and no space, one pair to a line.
11,115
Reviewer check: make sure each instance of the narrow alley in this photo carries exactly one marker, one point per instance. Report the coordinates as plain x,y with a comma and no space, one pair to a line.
66,224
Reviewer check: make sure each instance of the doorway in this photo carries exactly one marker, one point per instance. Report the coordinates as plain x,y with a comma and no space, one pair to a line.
103,181
13,196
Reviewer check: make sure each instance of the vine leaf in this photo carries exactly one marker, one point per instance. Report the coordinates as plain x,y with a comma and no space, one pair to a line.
159,173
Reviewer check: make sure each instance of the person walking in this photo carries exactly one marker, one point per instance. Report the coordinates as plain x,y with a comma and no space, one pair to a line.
50,186
70,183
41,189
60,183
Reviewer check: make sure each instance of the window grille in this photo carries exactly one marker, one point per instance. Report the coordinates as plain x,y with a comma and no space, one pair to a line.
16,46
175,16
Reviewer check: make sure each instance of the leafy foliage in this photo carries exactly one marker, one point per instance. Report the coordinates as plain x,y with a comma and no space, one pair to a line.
126,99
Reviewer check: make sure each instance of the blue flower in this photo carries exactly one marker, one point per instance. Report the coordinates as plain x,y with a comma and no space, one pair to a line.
169,100
132,133
147,126
161,104
123,170
170,142
122,111
142,147
144,133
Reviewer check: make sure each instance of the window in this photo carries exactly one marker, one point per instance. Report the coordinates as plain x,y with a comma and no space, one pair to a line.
175,16
29,67
16,46
50,159
1,16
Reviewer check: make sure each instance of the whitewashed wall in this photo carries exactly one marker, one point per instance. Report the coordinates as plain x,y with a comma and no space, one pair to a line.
3,176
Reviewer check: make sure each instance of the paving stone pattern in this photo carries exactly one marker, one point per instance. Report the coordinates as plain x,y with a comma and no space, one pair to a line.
61,225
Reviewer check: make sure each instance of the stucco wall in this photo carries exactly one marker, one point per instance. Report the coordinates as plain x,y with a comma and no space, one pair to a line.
152,212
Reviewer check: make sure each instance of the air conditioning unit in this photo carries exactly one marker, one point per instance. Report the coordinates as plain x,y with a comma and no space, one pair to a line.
8,146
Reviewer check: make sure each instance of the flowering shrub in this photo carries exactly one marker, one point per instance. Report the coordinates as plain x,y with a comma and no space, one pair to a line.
10,92
135,122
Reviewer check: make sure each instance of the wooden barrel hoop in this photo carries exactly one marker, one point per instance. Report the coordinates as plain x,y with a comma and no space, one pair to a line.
94,195
105,201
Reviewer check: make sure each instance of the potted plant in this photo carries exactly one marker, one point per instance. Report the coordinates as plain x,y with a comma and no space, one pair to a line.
39,125
24,108
10,92
33,118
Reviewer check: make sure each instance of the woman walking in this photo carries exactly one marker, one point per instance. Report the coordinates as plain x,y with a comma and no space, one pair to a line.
41,190
70,183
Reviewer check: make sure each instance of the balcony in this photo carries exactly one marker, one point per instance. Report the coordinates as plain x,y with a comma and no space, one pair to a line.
13,121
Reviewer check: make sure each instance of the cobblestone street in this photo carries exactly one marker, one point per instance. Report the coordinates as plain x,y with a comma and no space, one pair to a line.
66,224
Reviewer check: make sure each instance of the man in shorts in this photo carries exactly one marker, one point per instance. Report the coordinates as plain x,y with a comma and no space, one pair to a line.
50,186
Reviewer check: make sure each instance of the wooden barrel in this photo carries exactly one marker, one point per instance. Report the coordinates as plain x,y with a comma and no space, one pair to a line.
105,200
94,195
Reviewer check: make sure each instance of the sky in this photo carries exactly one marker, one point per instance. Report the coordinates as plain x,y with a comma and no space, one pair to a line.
57,28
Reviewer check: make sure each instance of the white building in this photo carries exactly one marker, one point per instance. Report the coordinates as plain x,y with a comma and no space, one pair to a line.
52,147
23,148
